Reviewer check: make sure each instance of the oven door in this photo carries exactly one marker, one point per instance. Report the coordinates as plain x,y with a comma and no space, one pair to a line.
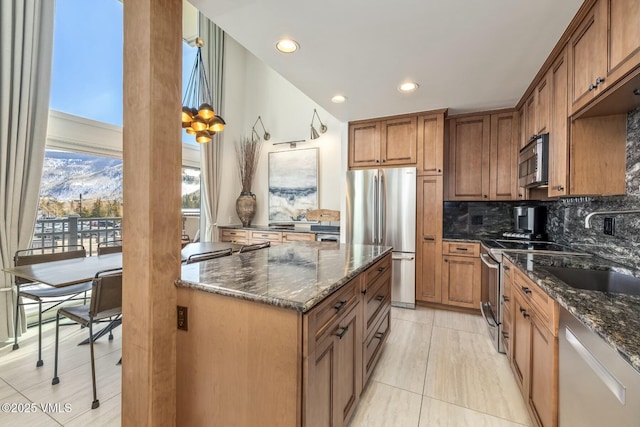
490,305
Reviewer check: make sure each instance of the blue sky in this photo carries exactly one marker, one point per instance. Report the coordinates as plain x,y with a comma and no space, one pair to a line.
87,60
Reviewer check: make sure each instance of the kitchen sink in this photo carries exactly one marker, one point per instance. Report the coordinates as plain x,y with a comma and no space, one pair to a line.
597,280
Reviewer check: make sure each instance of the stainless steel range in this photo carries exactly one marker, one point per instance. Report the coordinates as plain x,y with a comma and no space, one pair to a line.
492,277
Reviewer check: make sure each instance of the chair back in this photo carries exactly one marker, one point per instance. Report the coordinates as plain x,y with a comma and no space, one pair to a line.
110,247
204,256
27,257
106,294
249,248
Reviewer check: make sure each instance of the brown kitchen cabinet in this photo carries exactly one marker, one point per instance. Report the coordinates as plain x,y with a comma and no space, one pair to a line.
461,274
431,144
559,129
543,104
468,171
534,353
530,119
483,155
503,151
429,239
390,142
604,48
249,237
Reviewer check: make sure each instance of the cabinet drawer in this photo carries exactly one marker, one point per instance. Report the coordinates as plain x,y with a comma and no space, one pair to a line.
377,297
461,249
298,237
238,234
377,270
544,306
373,344
264,236
322,319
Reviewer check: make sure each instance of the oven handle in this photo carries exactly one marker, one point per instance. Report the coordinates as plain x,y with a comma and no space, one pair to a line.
484,257
493,322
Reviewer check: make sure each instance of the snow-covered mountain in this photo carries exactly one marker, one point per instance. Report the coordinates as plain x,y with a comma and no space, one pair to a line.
66,175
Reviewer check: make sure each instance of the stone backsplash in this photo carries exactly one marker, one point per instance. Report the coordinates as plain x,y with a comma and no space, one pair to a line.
477,219
565,222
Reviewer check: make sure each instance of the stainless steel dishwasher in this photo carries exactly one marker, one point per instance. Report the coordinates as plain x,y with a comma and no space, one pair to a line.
597,386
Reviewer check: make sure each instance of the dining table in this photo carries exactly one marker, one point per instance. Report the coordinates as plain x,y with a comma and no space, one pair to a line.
78,270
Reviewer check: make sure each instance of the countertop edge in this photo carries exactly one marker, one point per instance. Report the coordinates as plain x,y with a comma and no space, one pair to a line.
280,302
609,338
277,230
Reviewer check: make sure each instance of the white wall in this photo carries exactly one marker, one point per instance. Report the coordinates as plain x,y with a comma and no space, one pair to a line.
251,89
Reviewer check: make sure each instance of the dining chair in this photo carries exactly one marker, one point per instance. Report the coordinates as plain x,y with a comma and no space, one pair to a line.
204,256
106,303
254,247
38,291
111,247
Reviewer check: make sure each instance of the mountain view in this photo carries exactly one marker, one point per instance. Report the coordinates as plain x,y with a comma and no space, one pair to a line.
91,186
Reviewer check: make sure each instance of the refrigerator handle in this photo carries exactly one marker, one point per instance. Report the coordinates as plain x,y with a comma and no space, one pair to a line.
375,210
382,208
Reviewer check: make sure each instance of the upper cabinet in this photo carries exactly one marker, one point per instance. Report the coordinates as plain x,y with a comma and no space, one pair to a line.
530,118
543,94
364,144
430,144
483,155
604,48
559,132
378,143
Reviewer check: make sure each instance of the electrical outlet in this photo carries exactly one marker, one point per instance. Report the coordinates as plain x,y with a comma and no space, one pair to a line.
183,318
609,226
230,219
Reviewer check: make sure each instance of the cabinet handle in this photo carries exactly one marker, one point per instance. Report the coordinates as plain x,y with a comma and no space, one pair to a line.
591,87
560,188
429,238
505,335
505,298
378,335
383,160
520,195
379,297
485,196
377,161
524,312
525,289
340,305
507,268
439,170
343,332
381,269
446,260
599,80
462,249
364,292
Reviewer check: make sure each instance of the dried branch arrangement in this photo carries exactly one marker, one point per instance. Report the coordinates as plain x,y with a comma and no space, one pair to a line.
247,156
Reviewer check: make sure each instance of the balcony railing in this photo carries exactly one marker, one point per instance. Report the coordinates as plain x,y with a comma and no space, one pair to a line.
76,231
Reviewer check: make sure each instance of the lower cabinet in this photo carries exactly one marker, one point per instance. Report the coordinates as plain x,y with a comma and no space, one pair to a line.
246,363
461,275
250,237
534,352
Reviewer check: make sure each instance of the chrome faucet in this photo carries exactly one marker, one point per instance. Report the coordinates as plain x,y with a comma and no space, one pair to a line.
587,219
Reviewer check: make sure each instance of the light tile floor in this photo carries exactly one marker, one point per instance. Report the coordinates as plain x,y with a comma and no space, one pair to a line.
438,368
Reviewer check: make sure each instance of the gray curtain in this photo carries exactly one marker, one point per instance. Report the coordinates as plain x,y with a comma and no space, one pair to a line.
212,56
26,38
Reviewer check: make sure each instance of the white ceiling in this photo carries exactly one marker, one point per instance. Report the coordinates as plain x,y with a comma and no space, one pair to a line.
467,55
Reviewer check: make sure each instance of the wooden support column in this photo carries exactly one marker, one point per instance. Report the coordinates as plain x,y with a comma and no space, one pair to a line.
151,217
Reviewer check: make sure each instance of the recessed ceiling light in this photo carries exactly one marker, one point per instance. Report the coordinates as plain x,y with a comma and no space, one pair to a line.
408,87
339,99
287,45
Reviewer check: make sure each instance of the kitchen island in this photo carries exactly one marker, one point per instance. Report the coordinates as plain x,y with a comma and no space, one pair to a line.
283,336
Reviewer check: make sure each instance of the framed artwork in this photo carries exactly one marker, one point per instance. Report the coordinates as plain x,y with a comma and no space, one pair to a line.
293,184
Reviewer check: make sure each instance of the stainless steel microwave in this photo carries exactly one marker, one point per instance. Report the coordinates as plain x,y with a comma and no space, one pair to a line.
533,162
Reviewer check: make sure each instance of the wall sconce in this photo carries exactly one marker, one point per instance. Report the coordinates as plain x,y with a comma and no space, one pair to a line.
323,127
266,135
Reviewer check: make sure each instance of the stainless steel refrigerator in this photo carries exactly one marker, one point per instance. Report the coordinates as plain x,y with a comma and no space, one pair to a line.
381,210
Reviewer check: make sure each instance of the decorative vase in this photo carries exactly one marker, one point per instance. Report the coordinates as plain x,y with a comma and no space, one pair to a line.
246,207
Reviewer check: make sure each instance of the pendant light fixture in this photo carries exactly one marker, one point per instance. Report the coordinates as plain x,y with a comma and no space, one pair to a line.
198,116
323,127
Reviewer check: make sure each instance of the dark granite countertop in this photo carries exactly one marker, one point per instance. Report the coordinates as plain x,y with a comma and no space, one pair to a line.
267,228
614,317
296,276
